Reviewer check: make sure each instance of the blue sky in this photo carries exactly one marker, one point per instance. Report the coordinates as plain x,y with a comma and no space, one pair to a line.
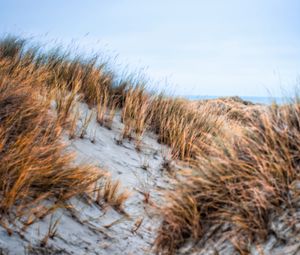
194,47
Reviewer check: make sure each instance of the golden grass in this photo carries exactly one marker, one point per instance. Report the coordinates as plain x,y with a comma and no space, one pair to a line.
34,163
244,159
234,108
38,97
136,114
85,123
106,109
181,126
176,124
242,182
102,105
109,191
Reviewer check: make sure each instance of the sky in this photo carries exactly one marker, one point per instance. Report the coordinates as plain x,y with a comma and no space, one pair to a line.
190,47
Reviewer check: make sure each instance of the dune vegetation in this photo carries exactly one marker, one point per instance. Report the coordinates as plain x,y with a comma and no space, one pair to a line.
241,161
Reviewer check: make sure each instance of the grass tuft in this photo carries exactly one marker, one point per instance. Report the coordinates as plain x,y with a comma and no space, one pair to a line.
243,182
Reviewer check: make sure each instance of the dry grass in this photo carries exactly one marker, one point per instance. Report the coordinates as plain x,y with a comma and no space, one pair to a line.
65,103
172,119
181,126
245,162
51,233
102,105
88,77
243,182
106,109
109,191
111,114
38,97
34,163
85,123
74,118
234,108
177,123
135,112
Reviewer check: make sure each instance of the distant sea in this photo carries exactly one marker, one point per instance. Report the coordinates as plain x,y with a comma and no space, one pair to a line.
256,100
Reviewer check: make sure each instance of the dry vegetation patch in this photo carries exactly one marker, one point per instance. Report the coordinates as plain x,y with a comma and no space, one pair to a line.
243,182
35,165
34,161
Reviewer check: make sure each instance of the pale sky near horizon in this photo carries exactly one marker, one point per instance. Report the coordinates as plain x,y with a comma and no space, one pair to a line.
216,47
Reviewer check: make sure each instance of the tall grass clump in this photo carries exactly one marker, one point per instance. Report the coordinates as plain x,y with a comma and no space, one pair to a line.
244,182
34,163
135,112
106,108
33,160
90,76
176,123
180,126
109,192
39,97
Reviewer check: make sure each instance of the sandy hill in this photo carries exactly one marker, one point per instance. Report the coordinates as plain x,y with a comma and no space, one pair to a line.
91,164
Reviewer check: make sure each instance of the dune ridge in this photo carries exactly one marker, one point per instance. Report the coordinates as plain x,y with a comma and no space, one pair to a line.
95,164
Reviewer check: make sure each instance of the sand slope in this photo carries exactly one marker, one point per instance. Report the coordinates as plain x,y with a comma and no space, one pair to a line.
93,229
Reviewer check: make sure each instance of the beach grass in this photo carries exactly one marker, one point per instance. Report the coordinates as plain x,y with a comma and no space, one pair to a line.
242,160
